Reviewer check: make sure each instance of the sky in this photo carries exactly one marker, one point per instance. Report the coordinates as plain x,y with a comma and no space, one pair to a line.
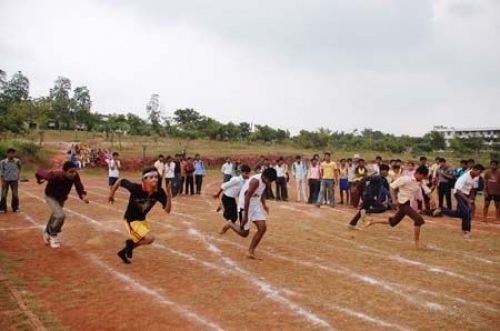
398,66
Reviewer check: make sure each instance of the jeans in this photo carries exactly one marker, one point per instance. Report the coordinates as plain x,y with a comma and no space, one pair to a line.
189,184
444,190
199,181
314,186
13,184
57,217
281,189
463,211
327,185
370,205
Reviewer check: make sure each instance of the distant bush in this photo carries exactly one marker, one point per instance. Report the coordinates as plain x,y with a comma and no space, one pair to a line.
23,149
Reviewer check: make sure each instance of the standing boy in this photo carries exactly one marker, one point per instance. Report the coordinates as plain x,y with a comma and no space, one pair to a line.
10,168
299,172
199,172
329,175
114,166
492,190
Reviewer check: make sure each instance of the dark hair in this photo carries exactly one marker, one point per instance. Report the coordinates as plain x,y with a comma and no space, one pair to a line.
298,157
68,165
410,162
328,153
493,162
161,155
342,160
423,158
442,160
11,150
378,157
423,170
384,167
361,160
149,169
471,161
270,173
478,167
115,154
349,160
463,161
245,168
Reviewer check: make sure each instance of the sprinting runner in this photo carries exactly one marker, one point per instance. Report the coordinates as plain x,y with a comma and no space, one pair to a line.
59,184
255,209
374,197
230,192
402,191
142,198
463,194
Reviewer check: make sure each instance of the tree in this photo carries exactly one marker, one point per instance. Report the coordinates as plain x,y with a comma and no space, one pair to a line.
154,114
245,130
186,117
81,104
436,140
16,89
61,103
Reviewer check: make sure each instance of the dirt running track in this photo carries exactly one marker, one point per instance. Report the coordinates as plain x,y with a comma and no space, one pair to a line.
313,272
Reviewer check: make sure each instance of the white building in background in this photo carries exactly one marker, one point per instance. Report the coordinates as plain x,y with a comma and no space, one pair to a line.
490,135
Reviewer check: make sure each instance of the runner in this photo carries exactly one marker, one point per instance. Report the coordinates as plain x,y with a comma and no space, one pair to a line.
142,198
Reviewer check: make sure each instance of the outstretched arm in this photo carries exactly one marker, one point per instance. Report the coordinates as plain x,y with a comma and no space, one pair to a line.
168,206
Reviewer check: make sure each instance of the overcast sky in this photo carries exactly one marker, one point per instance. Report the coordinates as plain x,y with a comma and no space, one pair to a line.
399,66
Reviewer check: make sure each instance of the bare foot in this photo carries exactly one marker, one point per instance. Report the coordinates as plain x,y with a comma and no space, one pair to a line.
219,208
251,255
224,229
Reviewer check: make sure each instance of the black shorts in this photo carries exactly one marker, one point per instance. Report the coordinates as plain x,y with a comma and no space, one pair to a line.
494,197
112,180
230,208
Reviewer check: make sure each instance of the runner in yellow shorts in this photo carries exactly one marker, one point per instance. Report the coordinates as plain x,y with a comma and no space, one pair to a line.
142,199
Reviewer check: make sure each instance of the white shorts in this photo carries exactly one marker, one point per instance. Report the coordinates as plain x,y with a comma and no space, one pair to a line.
255,213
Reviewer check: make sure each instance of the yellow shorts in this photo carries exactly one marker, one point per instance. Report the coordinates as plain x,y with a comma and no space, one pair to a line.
138,229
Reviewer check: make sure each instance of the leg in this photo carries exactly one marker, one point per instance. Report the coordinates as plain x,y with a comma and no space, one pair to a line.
319,201
54,226
448,195
15,195
332,193
441,195
497,210
3,200
298,189
236,228
485,209
261,230
284,189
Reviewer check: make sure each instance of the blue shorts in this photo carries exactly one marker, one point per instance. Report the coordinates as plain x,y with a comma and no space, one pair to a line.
344,184
112,180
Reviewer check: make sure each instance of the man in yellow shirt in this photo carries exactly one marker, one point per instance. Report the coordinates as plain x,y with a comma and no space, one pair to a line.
329,176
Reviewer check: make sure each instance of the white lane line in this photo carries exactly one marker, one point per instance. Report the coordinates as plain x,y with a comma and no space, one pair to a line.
136,285
263,286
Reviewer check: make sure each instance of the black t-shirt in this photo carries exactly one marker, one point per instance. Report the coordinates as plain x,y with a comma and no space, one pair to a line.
140,203
177,170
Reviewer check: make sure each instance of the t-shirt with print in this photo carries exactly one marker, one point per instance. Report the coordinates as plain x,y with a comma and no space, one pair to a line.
140,202
329,169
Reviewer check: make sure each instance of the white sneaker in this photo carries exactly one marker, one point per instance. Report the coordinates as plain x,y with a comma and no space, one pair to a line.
54,242
45,237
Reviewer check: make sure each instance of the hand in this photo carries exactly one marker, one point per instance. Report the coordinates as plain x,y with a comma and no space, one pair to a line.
111,199
216,196
266,208
243,222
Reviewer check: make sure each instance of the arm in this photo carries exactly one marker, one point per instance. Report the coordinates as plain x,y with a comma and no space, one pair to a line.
42,175
394,196
217,196
263,201
168,206
254,184
80,189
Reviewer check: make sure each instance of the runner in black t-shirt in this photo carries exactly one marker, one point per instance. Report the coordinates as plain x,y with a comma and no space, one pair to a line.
142,198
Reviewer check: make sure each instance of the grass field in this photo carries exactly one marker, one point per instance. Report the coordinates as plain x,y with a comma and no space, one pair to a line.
312,273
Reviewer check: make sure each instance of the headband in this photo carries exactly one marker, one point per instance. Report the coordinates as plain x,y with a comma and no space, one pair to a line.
151,173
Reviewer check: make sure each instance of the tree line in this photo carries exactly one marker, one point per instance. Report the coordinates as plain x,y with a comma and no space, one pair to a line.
70,108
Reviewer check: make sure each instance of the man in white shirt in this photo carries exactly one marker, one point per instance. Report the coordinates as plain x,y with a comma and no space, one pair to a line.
299,172
230,192
403,190
227,170
114,166
160,166
169,173
462,192
282,180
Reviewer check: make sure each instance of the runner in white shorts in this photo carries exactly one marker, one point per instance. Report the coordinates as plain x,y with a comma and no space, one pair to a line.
254,209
